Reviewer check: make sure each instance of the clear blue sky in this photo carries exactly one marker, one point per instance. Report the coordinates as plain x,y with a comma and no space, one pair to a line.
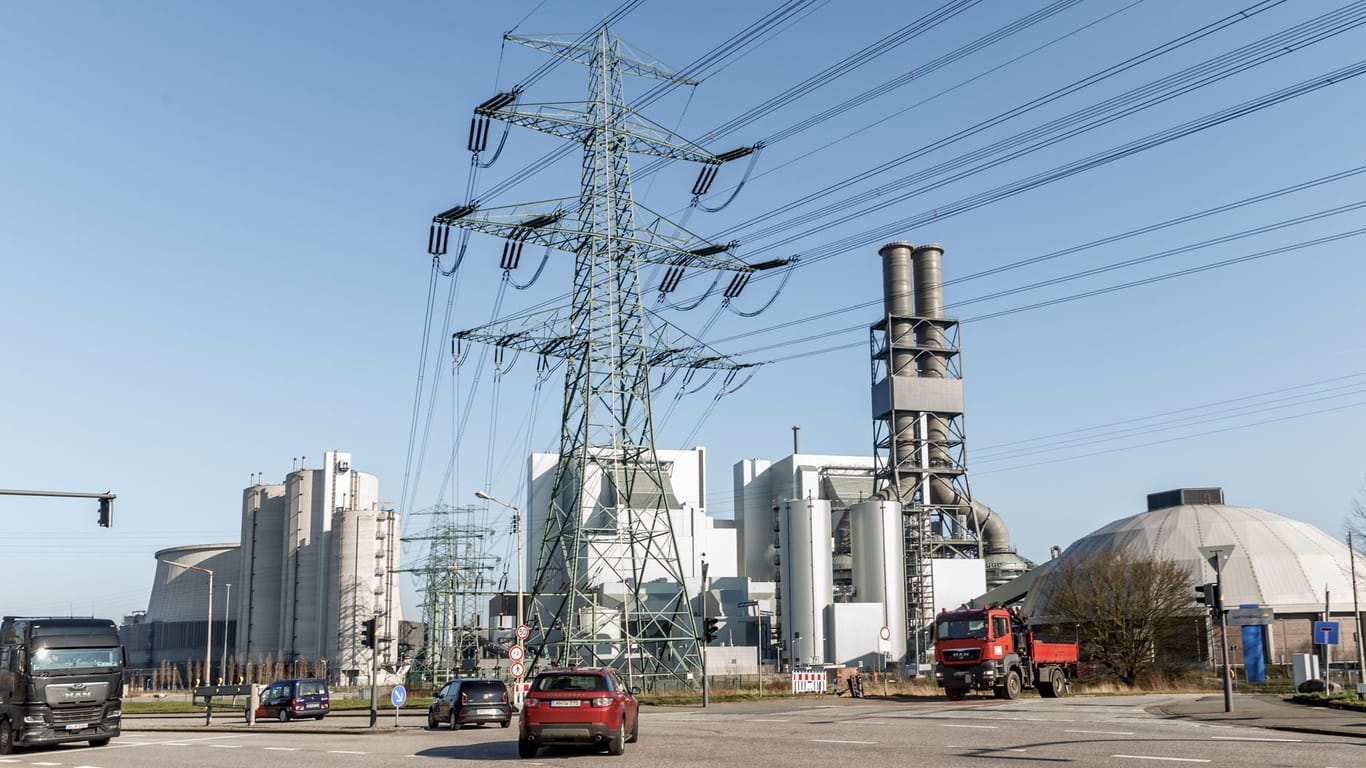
213,222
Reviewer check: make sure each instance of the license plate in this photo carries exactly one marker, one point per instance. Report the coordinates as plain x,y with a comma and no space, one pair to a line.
312,705
78,726
488,712
564,703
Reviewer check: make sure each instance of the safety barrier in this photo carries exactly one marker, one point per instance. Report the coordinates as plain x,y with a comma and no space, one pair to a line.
808,681
519,691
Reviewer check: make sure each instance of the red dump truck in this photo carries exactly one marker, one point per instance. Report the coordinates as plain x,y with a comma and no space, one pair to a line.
993,648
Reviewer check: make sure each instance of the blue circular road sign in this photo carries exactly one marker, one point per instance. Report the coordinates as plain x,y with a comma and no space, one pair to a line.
398,695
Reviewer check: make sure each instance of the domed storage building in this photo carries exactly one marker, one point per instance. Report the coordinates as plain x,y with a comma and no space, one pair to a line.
1276,562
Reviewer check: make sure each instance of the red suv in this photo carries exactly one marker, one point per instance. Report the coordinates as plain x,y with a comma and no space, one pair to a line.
578,706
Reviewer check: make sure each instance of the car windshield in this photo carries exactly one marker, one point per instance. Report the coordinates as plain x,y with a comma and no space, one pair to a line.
571,683
961,628
68,659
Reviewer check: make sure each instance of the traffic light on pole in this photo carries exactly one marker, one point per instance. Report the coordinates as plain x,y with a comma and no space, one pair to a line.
709,628
1209,596
367,633
106,511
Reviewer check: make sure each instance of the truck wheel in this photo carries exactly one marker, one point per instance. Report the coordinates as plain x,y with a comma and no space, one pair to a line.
1013,686
1059,681
955,694
6,738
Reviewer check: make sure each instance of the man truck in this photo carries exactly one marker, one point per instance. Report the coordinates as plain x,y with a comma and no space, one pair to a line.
993,649
61,679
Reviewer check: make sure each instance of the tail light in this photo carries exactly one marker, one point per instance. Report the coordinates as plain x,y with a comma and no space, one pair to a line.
464,698
505,697
530,703
602,701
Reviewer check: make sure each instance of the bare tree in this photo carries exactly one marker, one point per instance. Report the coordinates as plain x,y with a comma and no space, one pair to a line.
1127,608
1356,520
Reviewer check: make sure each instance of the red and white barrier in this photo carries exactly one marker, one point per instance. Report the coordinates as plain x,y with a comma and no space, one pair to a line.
808,681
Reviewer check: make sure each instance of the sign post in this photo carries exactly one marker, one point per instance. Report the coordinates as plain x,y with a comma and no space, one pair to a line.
398,697
1218,555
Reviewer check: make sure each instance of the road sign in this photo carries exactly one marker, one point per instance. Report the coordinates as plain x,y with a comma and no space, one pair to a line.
1261,614
523,631
516,653
1217,555
885,633
518,670
1326,632
398,696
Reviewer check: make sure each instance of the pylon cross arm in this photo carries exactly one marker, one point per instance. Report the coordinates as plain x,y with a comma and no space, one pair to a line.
560,119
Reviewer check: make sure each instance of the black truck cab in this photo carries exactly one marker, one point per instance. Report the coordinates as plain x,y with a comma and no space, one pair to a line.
61,679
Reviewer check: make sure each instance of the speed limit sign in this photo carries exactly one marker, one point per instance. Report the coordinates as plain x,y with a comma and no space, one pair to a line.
523,631
516,653
518,670
885,633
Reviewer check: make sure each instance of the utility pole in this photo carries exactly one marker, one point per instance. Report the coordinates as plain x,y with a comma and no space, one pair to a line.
1356,615
106,518
610,343
702,604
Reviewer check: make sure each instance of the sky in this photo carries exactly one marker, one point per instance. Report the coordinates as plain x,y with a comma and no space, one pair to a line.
213,221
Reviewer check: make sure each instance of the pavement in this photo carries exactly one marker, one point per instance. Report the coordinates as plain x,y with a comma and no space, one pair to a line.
1271,712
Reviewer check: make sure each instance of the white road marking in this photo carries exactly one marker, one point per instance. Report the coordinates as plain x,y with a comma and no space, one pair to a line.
1171,759
953,725
47,763
226,746
1106,733
172,743
345,752
1250,738
841,741
283,749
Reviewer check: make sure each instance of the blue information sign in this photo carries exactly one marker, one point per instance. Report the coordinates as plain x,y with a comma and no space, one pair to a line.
399,695
1326,632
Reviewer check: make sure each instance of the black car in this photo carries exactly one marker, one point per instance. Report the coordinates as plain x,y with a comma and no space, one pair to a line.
287,700
470,702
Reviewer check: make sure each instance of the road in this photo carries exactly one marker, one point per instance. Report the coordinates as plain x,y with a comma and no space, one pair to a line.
1103,731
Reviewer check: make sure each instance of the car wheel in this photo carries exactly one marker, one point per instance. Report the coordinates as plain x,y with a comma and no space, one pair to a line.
6,738
99,742
282,715
506,722
635,731
455,723
617,744
526,748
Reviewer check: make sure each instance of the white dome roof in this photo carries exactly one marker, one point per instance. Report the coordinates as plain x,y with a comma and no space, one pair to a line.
1282,563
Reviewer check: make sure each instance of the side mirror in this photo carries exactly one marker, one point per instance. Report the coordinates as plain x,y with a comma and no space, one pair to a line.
635,690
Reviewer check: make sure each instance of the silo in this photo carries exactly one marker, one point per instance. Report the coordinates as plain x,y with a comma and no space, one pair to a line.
879,567
354,534
806,579
755,502
259,606
304,557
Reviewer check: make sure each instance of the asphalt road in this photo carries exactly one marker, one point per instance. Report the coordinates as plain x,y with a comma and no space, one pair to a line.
1125,732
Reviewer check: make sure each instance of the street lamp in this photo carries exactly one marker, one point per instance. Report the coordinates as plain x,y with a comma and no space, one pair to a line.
208,634
227,611
517,530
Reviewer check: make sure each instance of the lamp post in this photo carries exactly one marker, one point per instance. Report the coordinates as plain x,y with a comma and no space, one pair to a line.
517,530
223,660
208,627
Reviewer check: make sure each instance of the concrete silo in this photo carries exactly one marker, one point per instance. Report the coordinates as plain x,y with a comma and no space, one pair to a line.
806,588
260,606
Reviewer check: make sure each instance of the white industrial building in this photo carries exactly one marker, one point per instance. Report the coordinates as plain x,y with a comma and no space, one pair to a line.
318,557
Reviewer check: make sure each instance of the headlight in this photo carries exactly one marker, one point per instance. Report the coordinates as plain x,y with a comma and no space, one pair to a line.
116,714
33,719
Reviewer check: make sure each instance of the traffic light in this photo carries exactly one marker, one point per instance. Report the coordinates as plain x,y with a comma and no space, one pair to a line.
1209,596
709,628
367,633
106,511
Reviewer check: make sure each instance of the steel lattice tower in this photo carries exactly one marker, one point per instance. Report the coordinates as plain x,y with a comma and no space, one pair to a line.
453,582
608,524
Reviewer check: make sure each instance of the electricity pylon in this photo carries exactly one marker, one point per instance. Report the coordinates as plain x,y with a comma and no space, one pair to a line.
607,528
454,585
